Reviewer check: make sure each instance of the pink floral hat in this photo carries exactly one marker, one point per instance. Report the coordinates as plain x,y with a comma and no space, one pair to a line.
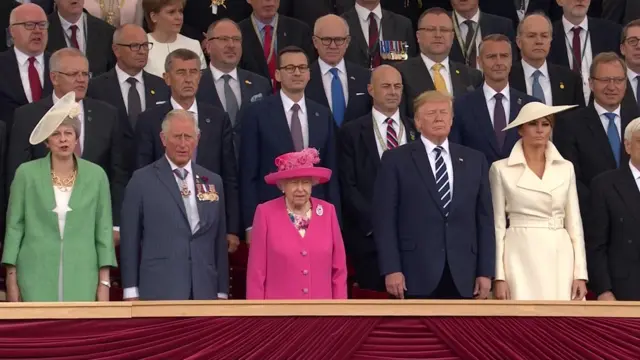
299,165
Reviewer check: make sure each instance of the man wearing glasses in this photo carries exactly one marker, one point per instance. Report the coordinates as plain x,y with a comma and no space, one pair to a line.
335,83
630,49
283,123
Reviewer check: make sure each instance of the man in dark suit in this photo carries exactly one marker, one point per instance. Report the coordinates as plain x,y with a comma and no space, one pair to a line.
548,83
515,10
307,11
223,84
613,231
71,26
631,52
591,137
200,14
336,83
432,213
361,144
378,34
265,33
472,25
283,123
215,146
481,115
621,11
25,67
101,136
433,69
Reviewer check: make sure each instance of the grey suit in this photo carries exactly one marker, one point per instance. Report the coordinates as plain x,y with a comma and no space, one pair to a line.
158,252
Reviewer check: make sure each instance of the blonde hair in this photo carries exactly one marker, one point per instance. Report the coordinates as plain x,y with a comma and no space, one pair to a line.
432,96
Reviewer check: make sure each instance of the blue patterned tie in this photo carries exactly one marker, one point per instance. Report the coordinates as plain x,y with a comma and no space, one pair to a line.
536,88
442,181
614,137
181,173
337,97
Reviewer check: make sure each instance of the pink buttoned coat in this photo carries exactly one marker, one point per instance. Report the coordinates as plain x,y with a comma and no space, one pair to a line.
284,265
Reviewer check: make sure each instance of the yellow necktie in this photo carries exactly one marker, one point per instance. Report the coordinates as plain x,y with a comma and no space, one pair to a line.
438,80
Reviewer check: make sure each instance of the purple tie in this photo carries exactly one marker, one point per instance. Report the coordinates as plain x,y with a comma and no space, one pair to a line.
296,128
499,120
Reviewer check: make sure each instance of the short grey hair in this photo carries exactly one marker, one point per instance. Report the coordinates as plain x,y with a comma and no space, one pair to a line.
74,123
178,113
536,13
316,26
117,34
632,128
495,38
215,24
182,54
58,57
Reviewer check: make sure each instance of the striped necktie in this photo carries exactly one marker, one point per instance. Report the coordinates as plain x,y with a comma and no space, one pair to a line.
392,136
442,181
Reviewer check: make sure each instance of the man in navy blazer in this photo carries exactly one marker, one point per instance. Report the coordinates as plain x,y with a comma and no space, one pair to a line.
432,212
283,123
481,115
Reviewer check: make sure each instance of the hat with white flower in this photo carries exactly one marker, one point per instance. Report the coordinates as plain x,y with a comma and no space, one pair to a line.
66,107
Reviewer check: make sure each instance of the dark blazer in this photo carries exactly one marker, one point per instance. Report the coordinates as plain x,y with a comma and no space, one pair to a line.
102,143
3,187
629,99
412,234
612,235
417,79
620,11
472,124
507,9
359,102
489,24
566,85
412,9
12,94
99,39
266,135
307,11
394,27
253,87
603,34
290,32
215,150
198,15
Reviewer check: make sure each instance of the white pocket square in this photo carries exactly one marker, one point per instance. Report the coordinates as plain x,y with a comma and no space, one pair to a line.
160,102
256,97
359,94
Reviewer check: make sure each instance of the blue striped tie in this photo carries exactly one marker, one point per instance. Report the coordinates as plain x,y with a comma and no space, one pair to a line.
442,181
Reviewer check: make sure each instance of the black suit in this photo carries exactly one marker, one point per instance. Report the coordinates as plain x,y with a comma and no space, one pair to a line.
307,11
215,150
489,24
102,143
394,27
359,102
620,11
12,94
507,8
612,236
198,15
358,162
98,42
416,79
3,186
566,85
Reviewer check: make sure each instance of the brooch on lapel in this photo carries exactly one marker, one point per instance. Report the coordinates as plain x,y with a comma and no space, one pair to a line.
319,210
218,3
519,101
247,82
457,72
412,135
153,92
561,85
205,191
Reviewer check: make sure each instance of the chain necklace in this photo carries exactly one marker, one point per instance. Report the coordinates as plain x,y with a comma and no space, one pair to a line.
382,143
110,14
63,185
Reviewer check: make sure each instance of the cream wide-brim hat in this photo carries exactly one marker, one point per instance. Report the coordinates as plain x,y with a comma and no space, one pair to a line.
534,111
66,107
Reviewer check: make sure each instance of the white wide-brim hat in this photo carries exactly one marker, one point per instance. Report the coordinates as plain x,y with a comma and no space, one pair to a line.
66,107
534,111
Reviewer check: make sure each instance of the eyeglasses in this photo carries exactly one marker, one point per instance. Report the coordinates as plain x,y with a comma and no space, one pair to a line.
290,69
31,25
78,74
339,41
226,39
137,47
632,41
609,80
433,30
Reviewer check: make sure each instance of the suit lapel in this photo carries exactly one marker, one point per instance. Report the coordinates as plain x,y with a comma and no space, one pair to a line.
600,137
626,115
91,131
515,105
46,189
90,34
421,72
165,175
421,159
149,91
370,142
557,91
460,87
208,88
315,126
47,86
202,210
457,161
282,36
245,88
280,124
628,189
559,46
517,80
254,46
114,88
357,35
13,77
56,34
316,86
482,111
207,129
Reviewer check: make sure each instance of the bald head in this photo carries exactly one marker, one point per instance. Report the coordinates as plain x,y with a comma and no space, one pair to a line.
29,29
386,89
331,38
25,11
131,47
127,31
328,22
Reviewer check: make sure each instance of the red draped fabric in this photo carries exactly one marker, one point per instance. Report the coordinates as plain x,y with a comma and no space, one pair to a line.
335,338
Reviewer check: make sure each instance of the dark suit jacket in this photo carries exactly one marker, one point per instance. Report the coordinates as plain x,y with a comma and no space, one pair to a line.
266,135
566,85
472,124
253,87
198,15
215,150
394,27
290,32
3,186
307,11
612,235
603,34
102,143
99,39
359,102
412,234
620,11
507,8
417,79
489,24
12,94
629,99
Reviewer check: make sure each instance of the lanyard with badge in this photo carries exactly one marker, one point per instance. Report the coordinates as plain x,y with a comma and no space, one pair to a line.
582,53
84,34
381,142
272,46
466,48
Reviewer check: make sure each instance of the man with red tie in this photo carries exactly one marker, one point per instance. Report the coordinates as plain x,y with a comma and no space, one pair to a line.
26,63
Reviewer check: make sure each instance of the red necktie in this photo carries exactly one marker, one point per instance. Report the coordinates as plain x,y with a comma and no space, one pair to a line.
392,137
577,49
74,36
271,63
374,48
34,81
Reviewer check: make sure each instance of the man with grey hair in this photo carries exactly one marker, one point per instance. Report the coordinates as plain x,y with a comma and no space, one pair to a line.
174,243
613,229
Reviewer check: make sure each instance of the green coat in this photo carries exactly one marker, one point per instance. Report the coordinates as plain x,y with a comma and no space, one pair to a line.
33,243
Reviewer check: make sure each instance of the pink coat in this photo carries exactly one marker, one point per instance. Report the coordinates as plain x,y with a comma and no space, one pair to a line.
284,265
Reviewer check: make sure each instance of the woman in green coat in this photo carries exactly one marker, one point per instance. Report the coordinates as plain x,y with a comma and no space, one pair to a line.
59,239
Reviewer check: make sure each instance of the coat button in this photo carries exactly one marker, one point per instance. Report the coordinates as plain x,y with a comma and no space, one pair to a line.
305,290
304,252
629,241
305,272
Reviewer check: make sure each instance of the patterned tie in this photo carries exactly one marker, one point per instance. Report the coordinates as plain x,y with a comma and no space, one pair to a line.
34,81
230,99
577,49
374,37
471,30
74,36
271,62
181,173
536,88
133,101
337,97
296,128
392,137
438,79
499,120
442,181
614,137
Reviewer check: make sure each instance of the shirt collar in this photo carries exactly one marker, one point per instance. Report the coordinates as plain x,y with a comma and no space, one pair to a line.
461,19
529,70
193,109
631,74
489,93
261,25
601,111
381,118
288,103
634,171
66,25
325,68
174,166
431,146
23,58
123,76
217,74
55,99
363,13
516,157
429,63
568,26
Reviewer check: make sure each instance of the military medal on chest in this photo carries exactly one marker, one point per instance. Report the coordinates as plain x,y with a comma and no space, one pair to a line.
184,190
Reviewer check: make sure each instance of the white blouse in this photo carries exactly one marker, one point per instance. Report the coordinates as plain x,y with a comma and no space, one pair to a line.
159,53
62,208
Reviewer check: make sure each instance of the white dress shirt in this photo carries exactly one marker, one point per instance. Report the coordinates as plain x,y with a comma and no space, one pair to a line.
327,78
23,67
381,122
464,30
489,94
80,32
523,12
446,156
363,16
193,109
80,118
125,87
605,121
587,56
636,174
632,76
302,115
234,83
444,70
544,80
